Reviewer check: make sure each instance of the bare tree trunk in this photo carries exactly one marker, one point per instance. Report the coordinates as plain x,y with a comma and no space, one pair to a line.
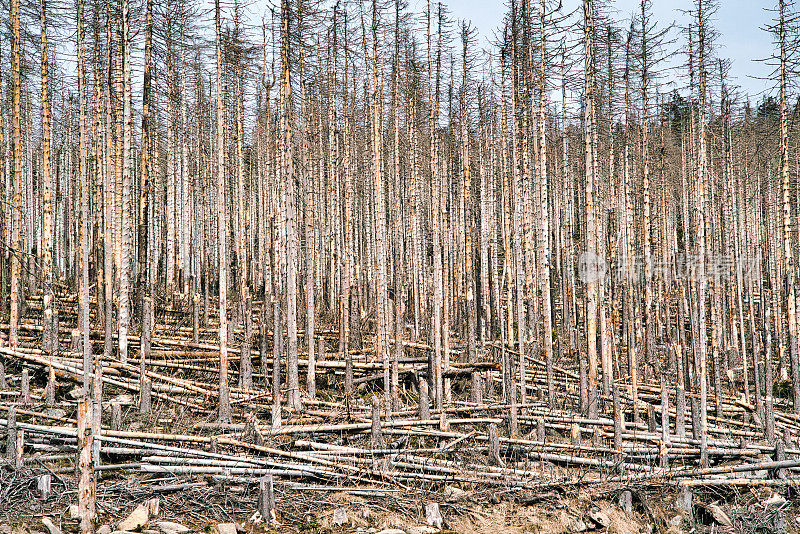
466,176
790,289
5,213
127,161
47,237
109,195
591,223
381,338
84,246
287,154
648,288
700,275
544,212
222,235
308,215
435,366
16,199
630,344
145,167
516,195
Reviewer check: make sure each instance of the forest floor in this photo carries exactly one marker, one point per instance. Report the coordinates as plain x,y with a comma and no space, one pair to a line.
213,506
176,469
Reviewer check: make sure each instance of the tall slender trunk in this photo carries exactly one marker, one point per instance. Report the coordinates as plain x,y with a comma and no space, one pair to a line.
108,192
287,154
381,339
145,167
591,223
435,367
171,219
700,280
544,212
516,195
648,288
127,161
790,289
308,213
466,176
84,246
224,413
16,165
47,233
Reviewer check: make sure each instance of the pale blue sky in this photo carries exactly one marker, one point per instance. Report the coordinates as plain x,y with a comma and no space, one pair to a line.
738,22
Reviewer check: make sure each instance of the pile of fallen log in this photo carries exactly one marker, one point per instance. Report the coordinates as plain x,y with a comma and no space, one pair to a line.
158,421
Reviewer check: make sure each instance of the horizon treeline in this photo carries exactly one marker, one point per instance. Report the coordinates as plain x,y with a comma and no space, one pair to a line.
579,191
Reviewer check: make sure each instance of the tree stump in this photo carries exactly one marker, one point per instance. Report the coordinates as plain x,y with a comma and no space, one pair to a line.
424,400
25,388
43,483
245,366
494,447
11,435
266,498
51,387
145,397
376,435
116,416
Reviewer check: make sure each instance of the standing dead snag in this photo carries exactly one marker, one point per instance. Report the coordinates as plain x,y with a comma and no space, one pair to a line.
126,233
222,235
543,252
790,291
381,300
590,134
47,206
435,365
466,177
645,151
16,170
288,184
306,186
700,280
516,196
143,236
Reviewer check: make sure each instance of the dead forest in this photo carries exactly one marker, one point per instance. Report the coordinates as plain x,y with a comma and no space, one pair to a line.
339,266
